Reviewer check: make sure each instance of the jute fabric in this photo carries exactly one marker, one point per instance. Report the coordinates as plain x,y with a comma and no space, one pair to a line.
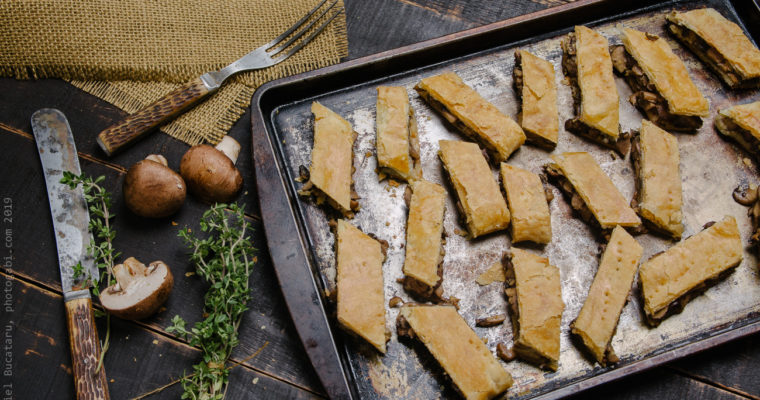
132,52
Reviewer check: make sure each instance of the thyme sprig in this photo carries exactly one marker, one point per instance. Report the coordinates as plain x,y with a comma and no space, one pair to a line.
99,205
101,248
224,258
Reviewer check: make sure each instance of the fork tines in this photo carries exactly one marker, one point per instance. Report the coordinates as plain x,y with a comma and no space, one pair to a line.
304,25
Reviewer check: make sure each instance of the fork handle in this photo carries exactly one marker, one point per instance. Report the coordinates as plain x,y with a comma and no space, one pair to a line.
164,109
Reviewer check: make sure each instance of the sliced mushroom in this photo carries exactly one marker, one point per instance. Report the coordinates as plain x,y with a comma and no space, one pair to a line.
139,290
210,172
152,189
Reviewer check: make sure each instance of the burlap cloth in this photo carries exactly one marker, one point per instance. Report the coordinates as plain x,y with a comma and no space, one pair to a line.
132,52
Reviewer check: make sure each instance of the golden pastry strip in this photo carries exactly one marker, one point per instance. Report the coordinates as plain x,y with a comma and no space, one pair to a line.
472,114
595,189
666,72
424,229
720,43
468,362
742,123
658,181
528,207
597,322
332,157
397,145
361,300
599,96
670,279
480,199
534,81
534,294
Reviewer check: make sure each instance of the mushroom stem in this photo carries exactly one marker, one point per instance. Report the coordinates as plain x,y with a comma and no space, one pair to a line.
230,147
125,273
158,158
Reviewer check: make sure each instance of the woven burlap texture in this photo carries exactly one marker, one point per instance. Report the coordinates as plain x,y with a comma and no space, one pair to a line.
132,52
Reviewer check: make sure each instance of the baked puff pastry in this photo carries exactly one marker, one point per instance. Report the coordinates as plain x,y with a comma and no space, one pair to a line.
361,299
742,124
534,294
587,65
662,88
658,197
597,322
398,148
670,280
472,368
332,162
480,200
472,114
528,205
590,191
536,88
424,231
719,43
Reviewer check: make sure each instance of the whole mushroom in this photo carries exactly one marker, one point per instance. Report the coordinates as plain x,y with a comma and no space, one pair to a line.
151,189
210,172
139,290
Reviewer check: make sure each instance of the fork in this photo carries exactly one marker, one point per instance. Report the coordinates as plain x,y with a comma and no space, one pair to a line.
116,137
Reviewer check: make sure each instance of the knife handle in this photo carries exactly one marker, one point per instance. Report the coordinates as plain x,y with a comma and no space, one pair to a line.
164,109
85,350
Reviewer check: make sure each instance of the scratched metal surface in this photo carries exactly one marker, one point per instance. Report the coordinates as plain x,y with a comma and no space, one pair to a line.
710,169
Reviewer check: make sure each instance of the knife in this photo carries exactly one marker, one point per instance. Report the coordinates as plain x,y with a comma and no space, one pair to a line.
293,269
68,208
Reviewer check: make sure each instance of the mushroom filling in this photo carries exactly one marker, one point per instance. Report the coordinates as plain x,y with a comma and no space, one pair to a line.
464,218
517,75
493,152
711,56
638,179
742,136
576,202
621,144
424,291
677,305
510,290
645,95
414,150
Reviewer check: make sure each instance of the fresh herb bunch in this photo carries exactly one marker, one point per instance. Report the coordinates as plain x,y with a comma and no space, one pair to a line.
99,204
101,249
224,258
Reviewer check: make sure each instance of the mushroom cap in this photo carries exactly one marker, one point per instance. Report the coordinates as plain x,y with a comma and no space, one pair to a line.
145,291
210,174
153,190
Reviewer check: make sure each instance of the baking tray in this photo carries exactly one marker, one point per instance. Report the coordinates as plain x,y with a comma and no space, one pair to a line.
710,167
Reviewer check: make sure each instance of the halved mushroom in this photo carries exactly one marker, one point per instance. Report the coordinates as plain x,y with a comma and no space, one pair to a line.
210,172
139,290
152,189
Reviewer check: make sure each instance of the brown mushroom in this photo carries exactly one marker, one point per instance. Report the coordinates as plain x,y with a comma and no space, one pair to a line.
152,189
210,172
139,290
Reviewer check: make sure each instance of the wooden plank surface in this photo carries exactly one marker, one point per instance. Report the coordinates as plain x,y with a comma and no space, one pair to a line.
143,356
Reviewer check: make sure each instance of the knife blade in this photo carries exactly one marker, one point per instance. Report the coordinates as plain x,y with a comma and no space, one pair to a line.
58,153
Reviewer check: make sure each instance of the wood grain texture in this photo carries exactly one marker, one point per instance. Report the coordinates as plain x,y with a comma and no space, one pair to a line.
88,115
156,239
89,382
144,121
137,362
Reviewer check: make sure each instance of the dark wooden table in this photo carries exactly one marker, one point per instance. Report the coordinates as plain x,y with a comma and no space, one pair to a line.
270,359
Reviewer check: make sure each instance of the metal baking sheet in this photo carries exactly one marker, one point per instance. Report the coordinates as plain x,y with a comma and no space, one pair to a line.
710,168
